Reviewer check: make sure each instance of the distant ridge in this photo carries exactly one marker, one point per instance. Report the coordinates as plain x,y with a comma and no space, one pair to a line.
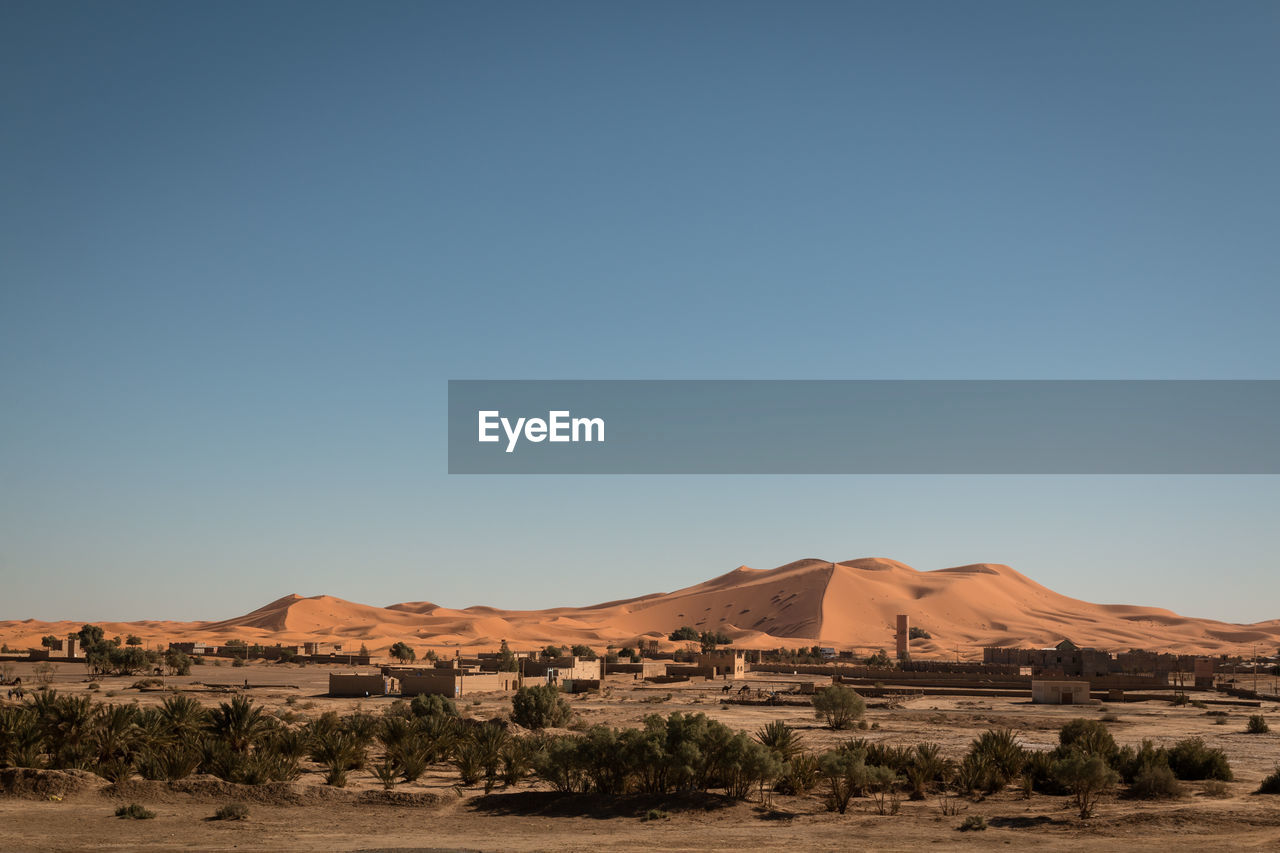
849,604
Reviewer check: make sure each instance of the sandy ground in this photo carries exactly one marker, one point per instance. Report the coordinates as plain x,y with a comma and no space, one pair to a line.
530,818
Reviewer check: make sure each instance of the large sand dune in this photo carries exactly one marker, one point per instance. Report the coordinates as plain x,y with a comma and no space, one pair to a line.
848,604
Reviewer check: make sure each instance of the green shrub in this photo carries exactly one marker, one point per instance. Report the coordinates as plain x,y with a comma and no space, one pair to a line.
1257,725
387,772
1155,782
1039,769
340,752
927,769
232,811
839,706
655,814
883,785
1090,737
433,706
1134,762
799,775
1001,750
1192,759
1271,784
845,775
973,823
540,707
517,759
976,774
133,811
1087,777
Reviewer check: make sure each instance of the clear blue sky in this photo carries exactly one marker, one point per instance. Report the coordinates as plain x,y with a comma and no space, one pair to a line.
243,247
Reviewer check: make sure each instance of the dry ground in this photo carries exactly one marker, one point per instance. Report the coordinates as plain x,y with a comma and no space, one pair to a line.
533,819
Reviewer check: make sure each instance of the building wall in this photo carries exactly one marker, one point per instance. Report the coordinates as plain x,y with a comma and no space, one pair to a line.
354,684
645,669
454,683
903,634
569,667
727,663
1060,692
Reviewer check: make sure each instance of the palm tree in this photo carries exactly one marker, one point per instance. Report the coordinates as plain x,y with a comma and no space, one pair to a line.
239,723
781,739
183,715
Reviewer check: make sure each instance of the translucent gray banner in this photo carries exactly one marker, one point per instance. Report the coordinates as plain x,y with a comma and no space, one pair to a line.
864,427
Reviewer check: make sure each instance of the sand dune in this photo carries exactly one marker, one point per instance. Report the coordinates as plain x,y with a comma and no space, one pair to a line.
846,604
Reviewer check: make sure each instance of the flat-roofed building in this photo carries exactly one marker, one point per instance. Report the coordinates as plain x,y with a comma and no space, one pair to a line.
1045,692
357,684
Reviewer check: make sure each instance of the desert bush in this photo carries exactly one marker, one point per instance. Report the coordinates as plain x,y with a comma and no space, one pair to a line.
1087,777
1257,725
845,775
1039,770
169,762
745,765
133,811
395,731
517,759
466,757
232,811
339,752
387,772
21,738
562,764
1192,759
1155,782
488,740
839,706
897,758
799,775
1000,749
1271,784
948,803
973,823
927,769
1131,762
44,673
977,775
1089,737
883,785
1215,788
363,727
539,707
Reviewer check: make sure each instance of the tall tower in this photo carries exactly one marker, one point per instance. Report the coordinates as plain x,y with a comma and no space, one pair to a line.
904,632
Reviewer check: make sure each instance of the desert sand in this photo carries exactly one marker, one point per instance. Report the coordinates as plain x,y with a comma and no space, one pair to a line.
849,604
307,816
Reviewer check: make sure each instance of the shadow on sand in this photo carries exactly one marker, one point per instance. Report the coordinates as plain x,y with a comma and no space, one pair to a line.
554,804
